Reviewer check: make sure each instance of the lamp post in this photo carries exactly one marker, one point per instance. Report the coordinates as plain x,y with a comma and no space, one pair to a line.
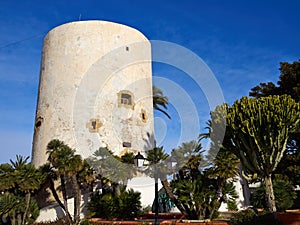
172,165
139,162
156,222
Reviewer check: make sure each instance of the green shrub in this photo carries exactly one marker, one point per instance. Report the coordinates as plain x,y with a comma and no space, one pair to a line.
107,204
284,196
251,217
84,222
242,217
231,204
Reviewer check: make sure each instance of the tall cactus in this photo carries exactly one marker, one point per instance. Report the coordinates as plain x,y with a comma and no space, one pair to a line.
260,129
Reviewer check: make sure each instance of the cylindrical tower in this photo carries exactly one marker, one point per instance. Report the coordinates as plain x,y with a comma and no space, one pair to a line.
95,90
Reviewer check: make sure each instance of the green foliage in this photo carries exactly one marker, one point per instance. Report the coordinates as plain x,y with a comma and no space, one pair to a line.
231,205
17,181
250,217
130,204
33,211
12,205
107,204
284,195
146,209
188,154
128,158
85,222
217,133
201,191
200,196
156,155
159,100
289,167
289,83
112,167
260,129
71,169
243,217
195,195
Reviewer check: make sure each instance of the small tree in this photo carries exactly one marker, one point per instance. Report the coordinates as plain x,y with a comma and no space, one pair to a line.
260,129
288,83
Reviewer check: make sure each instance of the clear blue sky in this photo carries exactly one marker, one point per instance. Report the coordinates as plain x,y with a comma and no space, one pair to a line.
242,42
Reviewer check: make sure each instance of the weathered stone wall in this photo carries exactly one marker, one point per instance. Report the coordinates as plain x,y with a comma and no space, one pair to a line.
95,90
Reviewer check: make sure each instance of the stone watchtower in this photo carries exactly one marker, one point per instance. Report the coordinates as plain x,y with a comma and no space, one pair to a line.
95,90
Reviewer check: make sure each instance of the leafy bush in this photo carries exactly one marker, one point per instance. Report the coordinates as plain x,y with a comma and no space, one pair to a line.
284,196
107,204
231,204
251,217
84,222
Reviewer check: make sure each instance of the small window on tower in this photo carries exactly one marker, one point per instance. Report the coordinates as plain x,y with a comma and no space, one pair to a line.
93,125
143,116
38,122
127,144
125,99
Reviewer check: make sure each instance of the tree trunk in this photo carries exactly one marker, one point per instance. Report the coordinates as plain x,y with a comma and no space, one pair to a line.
116,188
65,198
55,195
270,198
222,181
19,218
28,195
77,199
167,188
13,219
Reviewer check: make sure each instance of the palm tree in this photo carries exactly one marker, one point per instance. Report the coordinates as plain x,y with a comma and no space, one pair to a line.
155,157
199,192
10,207
69,167
112,168
29,180
7,180
225,168
19,179
74,167
221,152
128,160
159,100
87,176
59,157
